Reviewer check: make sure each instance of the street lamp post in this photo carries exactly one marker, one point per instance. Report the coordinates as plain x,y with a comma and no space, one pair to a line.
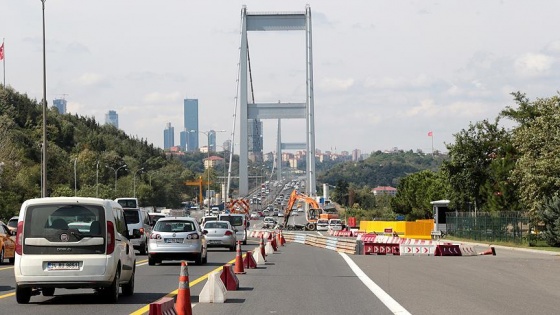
75,177
97,180
116,171
44,163
140,170
207,133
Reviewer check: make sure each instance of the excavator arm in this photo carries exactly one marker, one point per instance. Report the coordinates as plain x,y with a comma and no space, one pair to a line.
312,214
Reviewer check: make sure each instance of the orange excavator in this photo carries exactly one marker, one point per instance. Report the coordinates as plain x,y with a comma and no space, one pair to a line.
311,215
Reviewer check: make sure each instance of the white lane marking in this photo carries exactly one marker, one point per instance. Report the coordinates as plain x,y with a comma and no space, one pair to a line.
319,233
391,304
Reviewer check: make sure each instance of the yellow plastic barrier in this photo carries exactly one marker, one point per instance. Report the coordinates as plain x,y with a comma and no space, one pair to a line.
420,229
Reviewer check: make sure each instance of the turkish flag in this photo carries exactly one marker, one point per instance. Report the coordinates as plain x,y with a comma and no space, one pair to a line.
430,134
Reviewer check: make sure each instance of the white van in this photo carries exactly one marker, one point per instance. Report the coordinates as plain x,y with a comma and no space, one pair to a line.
239,222
73,242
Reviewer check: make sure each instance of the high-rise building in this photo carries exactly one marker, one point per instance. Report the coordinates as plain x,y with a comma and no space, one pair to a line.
60,104
212,141
191,123
168,137
226,146
255,143
112,118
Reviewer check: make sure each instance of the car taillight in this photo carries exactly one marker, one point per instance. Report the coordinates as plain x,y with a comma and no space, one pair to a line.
110,237
228,232
141,231
19,238
192,236
155,236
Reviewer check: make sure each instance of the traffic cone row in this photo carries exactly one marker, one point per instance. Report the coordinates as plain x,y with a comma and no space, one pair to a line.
229,280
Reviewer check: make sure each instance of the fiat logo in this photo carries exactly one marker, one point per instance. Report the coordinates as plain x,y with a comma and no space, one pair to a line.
64,237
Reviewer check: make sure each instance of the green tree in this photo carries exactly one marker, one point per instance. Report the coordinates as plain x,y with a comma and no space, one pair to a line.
470,157
416,191
549,213
537,141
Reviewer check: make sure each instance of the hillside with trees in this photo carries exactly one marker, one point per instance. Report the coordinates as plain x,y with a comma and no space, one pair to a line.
81,146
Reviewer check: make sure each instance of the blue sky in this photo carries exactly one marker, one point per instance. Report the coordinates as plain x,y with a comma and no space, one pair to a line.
385,72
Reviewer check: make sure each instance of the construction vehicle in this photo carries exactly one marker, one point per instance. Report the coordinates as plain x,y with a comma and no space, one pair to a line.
312,214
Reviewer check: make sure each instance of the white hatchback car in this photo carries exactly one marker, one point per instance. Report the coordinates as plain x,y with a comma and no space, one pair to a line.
73,242
175,238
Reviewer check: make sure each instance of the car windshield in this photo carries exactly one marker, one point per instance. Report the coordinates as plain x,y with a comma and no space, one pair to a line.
13,222
216,225
132,216
174,226
47,220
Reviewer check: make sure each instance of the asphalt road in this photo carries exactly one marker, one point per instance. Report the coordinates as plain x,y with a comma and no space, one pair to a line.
300,279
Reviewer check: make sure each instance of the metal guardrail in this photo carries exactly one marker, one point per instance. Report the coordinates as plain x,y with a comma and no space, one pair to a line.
340,244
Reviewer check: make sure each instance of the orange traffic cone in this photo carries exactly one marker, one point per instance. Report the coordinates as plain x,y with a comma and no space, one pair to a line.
489,251
183,303
249,261
273,243
282,238
238,269
263,253
279,238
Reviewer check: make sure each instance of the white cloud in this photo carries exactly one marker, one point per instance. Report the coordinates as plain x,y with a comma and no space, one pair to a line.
156,97
90,79
429,108
335,84
533,64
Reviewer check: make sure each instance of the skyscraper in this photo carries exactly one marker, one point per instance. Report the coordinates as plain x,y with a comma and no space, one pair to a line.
168,136
254,129
112,118
212,141
60,104
191,123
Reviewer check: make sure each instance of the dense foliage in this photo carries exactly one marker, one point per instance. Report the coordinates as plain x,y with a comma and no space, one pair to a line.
84,158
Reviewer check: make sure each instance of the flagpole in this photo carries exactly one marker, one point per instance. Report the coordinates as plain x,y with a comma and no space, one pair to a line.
432,144
4,61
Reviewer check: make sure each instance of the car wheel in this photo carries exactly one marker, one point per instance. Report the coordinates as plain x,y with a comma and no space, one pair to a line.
111,293
23,295
151,260
128,288
12,260
2,256
48,291
205,259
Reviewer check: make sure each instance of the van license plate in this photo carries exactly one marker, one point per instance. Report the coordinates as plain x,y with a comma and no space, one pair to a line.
65,265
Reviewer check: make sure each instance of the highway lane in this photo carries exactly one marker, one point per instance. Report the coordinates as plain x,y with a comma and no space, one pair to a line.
152,283
512,282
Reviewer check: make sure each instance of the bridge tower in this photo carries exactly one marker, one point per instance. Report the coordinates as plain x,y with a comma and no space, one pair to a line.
276,21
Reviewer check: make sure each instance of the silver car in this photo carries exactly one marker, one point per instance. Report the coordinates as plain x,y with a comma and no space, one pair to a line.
220,234
177,238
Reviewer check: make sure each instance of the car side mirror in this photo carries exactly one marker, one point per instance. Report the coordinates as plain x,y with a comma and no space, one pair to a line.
136,233
204,232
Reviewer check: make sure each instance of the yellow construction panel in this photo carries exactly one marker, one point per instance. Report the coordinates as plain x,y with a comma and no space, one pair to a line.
420,229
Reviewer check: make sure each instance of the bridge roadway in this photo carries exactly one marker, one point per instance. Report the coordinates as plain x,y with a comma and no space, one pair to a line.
300,279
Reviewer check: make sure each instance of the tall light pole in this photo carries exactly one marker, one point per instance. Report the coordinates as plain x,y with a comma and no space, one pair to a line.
208,133
75,177
140,170
116,171
44,164
97,180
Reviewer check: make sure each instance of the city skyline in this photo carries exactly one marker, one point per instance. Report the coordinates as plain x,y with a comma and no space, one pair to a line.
385,74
